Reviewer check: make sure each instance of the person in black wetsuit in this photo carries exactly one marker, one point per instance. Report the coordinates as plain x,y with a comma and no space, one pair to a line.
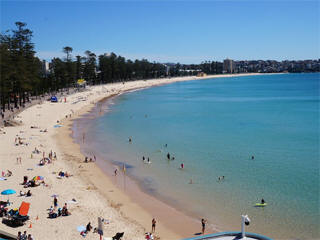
203,223
262,201
168,156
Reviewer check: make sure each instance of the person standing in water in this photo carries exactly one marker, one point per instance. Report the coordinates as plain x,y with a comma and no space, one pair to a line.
182,166
168,156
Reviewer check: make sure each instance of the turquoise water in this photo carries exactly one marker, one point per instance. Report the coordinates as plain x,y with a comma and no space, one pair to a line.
214,126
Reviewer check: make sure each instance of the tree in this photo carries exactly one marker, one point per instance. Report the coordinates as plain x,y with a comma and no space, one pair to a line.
68,50
19,67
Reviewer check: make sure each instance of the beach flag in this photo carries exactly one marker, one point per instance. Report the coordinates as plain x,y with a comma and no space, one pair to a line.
124,168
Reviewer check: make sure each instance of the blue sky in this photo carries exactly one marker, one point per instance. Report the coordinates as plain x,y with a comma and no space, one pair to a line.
171,31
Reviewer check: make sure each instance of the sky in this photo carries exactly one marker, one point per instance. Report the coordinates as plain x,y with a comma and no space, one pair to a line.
171,31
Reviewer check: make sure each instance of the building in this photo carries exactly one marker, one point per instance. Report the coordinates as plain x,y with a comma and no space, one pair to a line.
228,66
45,67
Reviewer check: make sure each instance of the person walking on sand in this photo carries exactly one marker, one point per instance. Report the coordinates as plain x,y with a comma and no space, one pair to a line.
154,225
203,223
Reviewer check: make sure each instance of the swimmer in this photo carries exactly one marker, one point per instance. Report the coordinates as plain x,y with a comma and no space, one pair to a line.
172,158
148,160
252,157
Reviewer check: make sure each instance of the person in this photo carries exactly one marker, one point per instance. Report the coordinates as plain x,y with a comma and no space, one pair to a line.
130,140
22,193
148,160
252,157
181,166
24,235
143,158
30,237
203,223
191,182
19,237
55,202
89,227
262,201
166,145
115,172
29,193
154,225
168,156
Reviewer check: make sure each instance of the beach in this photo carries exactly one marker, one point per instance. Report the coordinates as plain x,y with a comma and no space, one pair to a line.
95,194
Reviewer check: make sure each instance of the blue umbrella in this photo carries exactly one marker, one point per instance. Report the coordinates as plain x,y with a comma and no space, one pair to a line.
8,192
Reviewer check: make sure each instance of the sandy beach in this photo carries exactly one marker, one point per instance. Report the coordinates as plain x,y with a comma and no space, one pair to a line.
95,193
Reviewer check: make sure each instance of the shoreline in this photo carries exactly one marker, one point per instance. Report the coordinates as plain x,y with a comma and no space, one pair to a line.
84,185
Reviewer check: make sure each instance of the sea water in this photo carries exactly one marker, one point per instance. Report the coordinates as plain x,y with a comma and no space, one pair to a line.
214,127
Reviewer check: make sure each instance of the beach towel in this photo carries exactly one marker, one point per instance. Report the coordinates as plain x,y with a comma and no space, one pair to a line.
24,208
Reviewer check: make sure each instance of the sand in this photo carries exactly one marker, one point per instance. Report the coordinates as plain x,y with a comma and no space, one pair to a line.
95,193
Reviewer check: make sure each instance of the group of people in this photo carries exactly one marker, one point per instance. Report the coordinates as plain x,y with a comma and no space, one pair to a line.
26,194
8,174
146,160
24,236
87,230
87,159
55,212
64,174
18,141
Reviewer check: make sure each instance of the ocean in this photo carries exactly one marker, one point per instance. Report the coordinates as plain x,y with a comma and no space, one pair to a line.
214,127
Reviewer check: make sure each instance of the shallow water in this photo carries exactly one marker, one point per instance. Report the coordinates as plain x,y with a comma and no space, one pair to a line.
214,126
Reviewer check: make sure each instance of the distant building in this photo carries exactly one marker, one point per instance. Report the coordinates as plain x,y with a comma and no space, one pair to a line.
167,69
228,66
45,67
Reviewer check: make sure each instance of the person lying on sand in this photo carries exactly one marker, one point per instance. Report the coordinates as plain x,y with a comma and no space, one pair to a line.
9,173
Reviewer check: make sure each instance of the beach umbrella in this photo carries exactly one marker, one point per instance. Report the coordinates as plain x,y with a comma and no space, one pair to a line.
38,178
55,195
81,228
8,192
